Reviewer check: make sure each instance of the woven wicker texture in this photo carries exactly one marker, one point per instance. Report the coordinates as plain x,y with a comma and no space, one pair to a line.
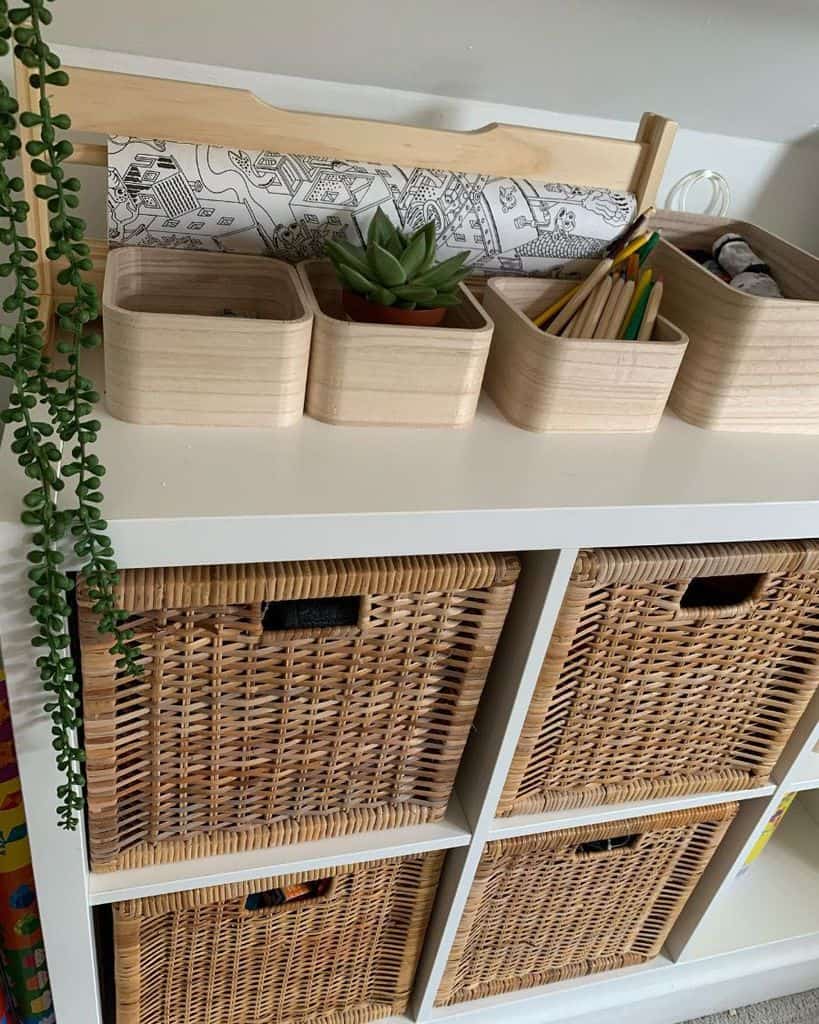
670,671
343,958
239,736
543,909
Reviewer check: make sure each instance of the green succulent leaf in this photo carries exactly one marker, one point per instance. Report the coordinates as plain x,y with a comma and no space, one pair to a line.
443,272
386,267
428,233
355,281
445,299
414,255
344,254
383,296
381,231
414,293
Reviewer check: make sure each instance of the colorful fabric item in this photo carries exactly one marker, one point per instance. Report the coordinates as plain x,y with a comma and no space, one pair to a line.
195,196
21,939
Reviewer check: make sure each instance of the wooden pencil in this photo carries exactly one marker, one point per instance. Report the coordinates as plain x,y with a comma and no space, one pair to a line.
569,331
650,315
577,300
618,317
594,305
604,322
555,307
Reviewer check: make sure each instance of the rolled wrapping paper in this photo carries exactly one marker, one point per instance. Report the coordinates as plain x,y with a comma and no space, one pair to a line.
746,271
21,938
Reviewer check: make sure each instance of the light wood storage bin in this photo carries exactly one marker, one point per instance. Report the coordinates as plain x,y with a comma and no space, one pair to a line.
671,670
384,374
344,957
283,702
205,339
752,362
543,382
564,904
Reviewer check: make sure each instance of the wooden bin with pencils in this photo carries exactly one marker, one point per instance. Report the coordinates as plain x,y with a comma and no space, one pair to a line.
541,381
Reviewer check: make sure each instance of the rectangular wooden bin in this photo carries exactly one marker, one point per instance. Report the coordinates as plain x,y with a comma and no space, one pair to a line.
671,670
283,702
224,955
205,339
543,382
752,363
560,905
388,374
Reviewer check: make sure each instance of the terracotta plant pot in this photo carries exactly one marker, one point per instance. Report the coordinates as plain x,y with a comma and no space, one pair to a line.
365,312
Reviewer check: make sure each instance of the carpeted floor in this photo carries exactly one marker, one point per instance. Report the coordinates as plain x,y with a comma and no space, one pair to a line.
800,1009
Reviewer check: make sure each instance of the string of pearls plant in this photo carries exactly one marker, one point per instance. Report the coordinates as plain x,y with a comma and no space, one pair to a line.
51,406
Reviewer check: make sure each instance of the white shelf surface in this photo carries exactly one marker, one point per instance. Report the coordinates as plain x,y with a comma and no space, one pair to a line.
551,821
805,773
776,899
114,886
173,494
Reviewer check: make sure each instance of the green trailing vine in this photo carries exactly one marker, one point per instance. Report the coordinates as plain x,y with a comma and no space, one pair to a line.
51,406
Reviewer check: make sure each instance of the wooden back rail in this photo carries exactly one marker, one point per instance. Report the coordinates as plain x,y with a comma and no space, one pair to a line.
111,103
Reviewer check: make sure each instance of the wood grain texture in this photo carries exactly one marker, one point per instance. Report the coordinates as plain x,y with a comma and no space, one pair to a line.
542,382
173,356
190,112
546,908
752,363
390,375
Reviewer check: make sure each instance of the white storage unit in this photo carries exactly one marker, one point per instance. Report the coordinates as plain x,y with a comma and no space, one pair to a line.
180,496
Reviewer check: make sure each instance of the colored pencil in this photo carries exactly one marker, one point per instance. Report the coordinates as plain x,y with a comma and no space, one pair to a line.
633,267
645,252
640,290
630,232
611,304
633,323
555,307
634,246
652,308
577,300
618,316
594,305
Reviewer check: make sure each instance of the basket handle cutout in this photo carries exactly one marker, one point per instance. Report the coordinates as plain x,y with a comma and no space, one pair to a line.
618,845
722,597
279,899
314,616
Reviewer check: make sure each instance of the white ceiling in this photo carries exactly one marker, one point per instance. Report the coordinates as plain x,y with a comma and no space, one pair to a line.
738,67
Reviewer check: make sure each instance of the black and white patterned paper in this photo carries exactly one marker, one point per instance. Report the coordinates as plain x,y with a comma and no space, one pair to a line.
192,196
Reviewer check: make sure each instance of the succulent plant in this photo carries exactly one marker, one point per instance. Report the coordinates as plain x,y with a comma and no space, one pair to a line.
397,269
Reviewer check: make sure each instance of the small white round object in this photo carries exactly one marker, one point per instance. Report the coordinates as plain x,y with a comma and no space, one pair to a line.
719,202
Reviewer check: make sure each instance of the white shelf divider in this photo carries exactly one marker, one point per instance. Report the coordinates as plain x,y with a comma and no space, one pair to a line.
452,831
775,900
59,858
491,747
551,821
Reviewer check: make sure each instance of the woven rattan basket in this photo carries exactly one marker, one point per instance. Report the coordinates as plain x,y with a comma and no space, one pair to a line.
284,702
563,904
671,670
344,957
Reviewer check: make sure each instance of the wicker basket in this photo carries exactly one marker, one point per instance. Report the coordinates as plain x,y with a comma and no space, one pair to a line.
343,955
564,904
671,670
752,363
284,702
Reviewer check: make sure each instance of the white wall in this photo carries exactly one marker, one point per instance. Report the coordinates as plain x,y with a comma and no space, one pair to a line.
739,67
